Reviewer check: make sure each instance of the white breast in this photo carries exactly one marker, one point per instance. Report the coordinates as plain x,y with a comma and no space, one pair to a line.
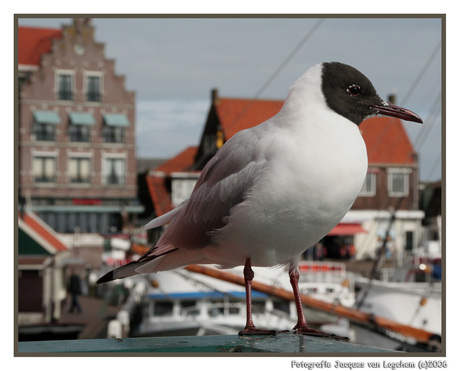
309,184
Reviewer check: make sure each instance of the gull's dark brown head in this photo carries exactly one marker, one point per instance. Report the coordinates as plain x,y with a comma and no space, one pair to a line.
351,94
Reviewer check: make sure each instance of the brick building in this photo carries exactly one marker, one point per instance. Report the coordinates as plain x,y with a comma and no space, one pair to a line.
76,132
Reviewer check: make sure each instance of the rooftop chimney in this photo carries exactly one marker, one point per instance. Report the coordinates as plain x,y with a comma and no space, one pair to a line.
214,96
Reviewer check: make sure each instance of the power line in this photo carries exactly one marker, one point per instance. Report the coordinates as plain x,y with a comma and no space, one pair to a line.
289,57
421,73
409,92
418,142
283,64
434,167
428,125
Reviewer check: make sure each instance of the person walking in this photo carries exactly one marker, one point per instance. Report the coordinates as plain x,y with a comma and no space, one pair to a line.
74,290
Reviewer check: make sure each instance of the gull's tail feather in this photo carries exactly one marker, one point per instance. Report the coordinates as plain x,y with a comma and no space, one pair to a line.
126,270
132,268
174,258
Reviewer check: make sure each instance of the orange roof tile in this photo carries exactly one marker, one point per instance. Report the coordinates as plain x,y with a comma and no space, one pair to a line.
181,162
159,192
238,114
387,141
33,42
43,230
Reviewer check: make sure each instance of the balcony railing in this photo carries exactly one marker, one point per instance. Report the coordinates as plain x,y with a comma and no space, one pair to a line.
45,179
44,135
115,179
65,95
113,137
79,137
93,96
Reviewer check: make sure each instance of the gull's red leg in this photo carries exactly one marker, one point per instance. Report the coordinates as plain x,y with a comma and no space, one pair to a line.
250,329
302,326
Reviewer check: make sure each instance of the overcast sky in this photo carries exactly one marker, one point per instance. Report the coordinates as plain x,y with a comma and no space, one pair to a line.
172,65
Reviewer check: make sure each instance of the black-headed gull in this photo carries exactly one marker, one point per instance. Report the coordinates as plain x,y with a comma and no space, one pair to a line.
276,189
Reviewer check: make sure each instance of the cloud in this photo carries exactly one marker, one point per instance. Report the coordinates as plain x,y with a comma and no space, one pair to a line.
166,127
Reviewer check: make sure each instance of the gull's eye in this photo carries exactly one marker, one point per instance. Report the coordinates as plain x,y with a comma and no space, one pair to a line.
354,90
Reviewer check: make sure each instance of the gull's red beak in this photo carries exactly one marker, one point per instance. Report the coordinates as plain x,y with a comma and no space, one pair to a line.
387,109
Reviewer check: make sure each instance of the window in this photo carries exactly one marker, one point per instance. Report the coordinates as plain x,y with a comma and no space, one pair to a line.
44,169
181,189
216,311
113,134
398,182
44,132
65,86
79,170
79,133
162,308
114,127
44,123
409,240
114,171
80,124
93,86
368,189
282,306
84,222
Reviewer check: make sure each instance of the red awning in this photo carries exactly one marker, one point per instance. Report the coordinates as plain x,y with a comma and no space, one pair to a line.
347,229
